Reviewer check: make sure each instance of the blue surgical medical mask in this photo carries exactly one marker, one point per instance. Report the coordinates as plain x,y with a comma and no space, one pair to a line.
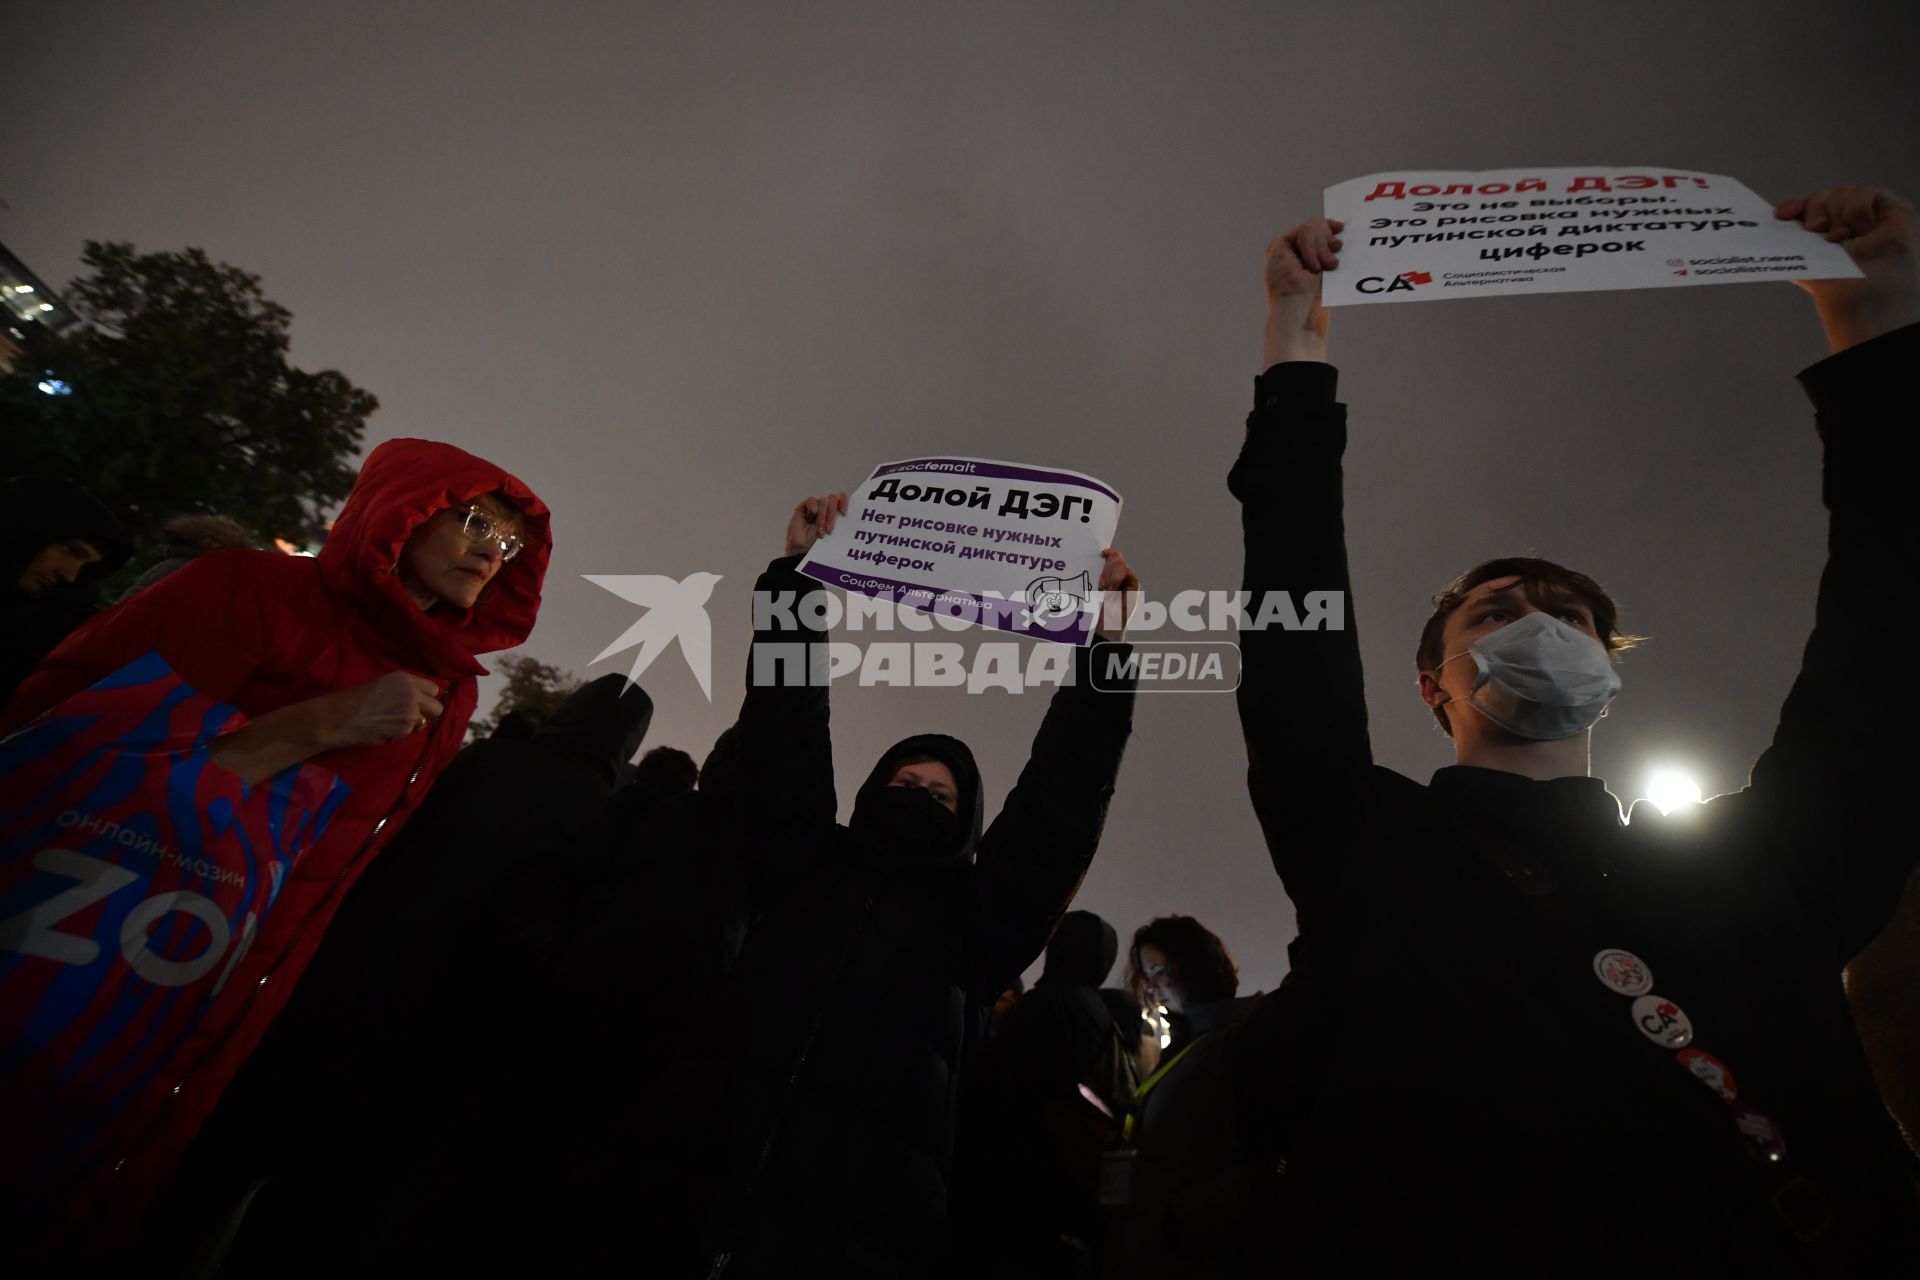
1541,678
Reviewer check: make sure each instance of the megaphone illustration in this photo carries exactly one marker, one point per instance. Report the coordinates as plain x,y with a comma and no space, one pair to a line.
1053,597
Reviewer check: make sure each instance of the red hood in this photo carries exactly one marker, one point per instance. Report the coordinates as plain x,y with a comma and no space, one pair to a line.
402,484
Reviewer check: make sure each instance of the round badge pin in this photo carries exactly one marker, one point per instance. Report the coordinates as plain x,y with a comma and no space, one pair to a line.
1765,1142
1710,1071
1662,1021
1624,972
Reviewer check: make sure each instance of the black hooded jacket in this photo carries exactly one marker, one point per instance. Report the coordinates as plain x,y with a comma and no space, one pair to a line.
1052,1036
408,1031
1026,1172
35,513
812,1126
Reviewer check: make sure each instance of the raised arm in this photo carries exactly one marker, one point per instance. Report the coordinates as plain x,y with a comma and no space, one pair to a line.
1036,852
1837,774
1302,698
784,741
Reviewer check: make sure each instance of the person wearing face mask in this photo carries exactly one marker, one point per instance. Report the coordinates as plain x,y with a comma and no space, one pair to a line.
363,660
1517,1029
811,1131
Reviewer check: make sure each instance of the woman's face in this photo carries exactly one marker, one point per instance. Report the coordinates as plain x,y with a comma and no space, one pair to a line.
443,561
1160,982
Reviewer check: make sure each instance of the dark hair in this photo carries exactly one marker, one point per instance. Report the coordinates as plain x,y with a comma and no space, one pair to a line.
1194,954
519,726
1544,582
666,770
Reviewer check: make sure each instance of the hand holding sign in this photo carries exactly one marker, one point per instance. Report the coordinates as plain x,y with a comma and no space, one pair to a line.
813,519
1119,592
1878,230
1296,321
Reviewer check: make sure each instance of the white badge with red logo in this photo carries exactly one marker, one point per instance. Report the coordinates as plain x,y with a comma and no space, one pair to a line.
1662,1021
1710,1071
1624,972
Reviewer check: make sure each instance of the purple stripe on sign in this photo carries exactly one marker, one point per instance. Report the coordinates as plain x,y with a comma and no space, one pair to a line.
964,467
997,614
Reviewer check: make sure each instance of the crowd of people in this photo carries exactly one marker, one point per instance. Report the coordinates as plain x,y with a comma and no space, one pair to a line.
541,1004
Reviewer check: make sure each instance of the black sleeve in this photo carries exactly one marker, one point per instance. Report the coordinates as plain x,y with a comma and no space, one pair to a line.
1032,858
785,741
1834,782
1302,697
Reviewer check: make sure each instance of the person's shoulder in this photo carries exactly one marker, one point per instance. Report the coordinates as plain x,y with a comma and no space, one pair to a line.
267,573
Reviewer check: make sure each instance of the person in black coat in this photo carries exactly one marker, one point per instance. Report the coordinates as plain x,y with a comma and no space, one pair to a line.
810,1128
1044,1102
1522,1030
395,1065
57,543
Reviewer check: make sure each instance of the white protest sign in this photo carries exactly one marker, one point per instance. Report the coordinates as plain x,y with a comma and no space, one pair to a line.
1412,237
1006,546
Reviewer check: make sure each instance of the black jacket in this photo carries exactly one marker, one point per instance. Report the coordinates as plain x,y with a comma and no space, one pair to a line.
1026,1178
35,513
1189,1181
815,1102
400,1065
1448,1062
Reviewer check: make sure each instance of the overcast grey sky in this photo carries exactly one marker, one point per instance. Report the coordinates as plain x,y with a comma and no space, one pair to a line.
679,265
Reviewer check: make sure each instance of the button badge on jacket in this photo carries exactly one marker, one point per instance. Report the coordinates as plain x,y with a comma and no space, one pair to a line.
1710,1071
1662,1021
1623,971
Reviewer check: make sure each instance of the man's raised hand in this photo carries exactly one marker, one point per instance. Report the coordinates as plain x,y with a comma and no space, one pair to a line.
812,520
1880,233
1296,322
1120,587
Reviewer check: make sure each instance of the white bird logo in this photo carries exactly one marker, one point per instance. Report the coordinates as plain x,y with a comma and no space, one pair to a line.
674,611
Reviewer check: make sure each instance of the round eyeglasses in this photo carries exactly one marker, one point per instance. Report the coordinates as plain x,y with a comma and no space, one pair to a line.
482,527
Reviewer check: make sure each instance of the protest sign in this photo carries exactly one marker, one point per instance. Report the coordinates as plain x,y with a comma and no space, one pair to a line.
1413,237
1005,546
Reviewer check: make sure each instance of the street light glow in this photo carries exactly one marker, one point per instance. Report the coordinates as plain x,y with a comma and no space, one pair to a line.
1670,788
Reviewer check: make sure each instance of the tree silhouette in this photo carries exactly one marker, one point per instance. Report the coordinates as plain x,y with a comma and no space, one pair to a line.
531,684
182,401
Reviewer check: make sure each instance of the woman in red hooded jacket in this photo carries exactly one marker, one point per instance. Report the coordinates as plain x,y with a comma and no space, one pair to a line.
363,660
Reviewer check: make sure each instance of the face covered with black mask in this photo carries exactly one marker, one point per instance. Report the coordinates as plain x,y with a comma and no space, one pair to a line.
920,806
910,823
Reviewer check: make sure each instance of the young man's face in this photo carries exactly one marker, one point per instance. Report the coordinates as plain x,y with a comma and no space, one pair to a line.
442,560
57,562
932,777
1487,608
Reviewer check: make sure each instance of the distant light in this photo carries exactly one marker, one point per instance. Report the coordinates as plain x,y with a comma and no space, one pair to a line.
23,288
1669,789
46,306
1165,1041
55,387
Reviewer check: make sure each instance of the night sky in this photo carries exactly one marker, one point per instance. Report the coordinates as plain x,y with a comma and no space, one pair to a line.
678,266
